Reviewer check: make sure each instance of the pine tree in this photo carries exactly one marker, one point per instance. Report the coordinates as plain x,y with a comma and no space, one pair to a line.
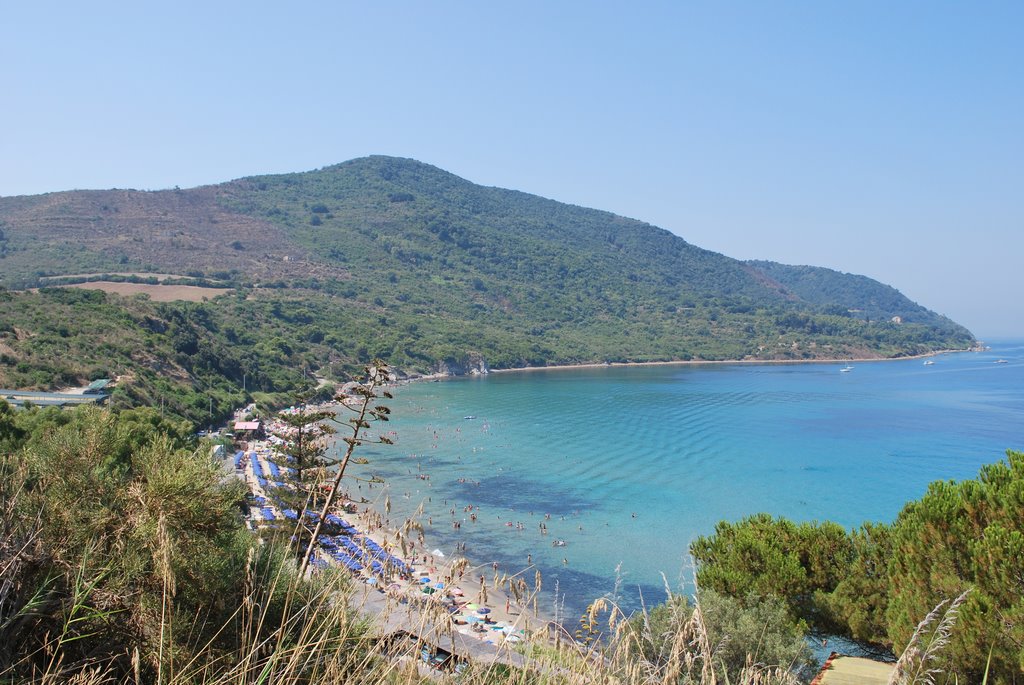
300,464
307,475
364,410
959,536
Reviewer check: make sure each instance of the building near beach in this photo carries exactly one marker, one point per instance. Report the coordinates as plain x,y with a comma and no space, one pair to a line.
248,430
19,399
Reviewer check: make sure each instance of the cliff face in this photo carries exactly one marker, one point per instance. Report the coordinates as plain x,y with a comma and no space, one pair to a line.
473,364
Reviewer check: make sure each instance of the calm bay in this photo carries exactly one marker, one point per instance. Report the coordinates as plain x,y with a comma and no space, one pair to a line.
627,465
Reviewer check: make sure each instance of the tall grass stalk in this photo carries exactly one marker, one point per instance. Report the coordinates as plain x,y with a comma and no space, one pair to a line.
916,666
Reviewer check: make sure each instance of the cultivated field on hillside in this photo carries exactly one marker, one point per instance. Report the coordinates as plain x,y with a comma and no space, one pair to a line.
157,293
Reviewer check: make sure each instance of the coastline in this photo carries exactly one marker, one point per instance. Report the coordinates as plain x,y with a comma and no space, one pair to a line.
378,507
521,614
702,362
432,575
481,552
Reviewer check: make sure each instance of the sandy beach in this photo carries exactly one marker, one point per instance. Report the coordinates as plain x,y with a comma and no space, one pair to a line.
703,362
479,598
462,576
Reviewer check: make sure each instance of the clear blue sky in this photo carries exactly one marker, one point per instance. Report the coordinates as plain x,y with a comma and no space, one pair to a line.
871,137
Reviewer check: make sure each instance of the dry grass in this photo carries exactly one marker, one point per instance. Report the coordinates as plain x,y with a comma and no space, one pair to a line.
320,639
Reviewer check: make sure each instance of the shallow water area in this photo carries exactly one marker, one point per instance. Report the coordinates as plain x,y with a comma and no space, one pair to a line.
627,465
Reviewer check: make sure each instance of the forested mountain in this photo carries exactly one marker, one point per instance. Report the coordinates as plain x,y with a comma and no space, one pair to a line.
397,259
839,292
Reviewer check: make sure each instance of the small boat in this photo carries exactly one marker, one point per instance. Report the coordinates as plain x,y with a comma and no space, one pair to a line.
468,418
1001,361
558,543
846,369
929,362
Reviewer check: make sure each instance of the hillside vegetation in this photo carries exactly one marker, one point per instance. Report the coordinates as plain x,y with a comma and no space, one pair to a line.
392,258
180,357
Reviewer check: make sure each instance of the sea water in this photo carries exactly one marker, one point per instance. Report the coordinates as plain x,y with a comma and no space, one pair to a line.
627,465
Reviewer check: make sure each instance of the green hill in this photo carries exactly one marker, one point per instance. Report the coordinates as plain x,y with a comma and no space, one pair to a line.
395,258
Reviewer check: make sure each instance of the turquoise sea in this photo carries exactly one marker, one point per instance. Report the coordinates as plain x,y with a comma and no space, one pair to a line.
631,463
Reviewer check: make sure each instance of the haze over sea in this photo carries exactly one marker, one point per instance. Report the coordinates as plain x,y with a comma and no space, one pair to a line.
682,447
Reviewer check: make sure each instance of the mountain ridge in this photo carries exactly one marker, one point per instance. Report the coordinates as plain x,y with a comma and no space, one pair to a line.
398,259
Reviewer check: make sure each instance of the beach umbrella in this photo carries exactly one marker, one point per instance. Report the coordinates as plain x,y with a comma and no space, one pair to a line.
483,610
424,580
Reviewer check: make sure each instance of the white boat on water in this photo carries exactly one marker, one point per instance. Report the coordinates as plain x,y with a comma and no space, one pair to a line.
1001,361
928,362
846,369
